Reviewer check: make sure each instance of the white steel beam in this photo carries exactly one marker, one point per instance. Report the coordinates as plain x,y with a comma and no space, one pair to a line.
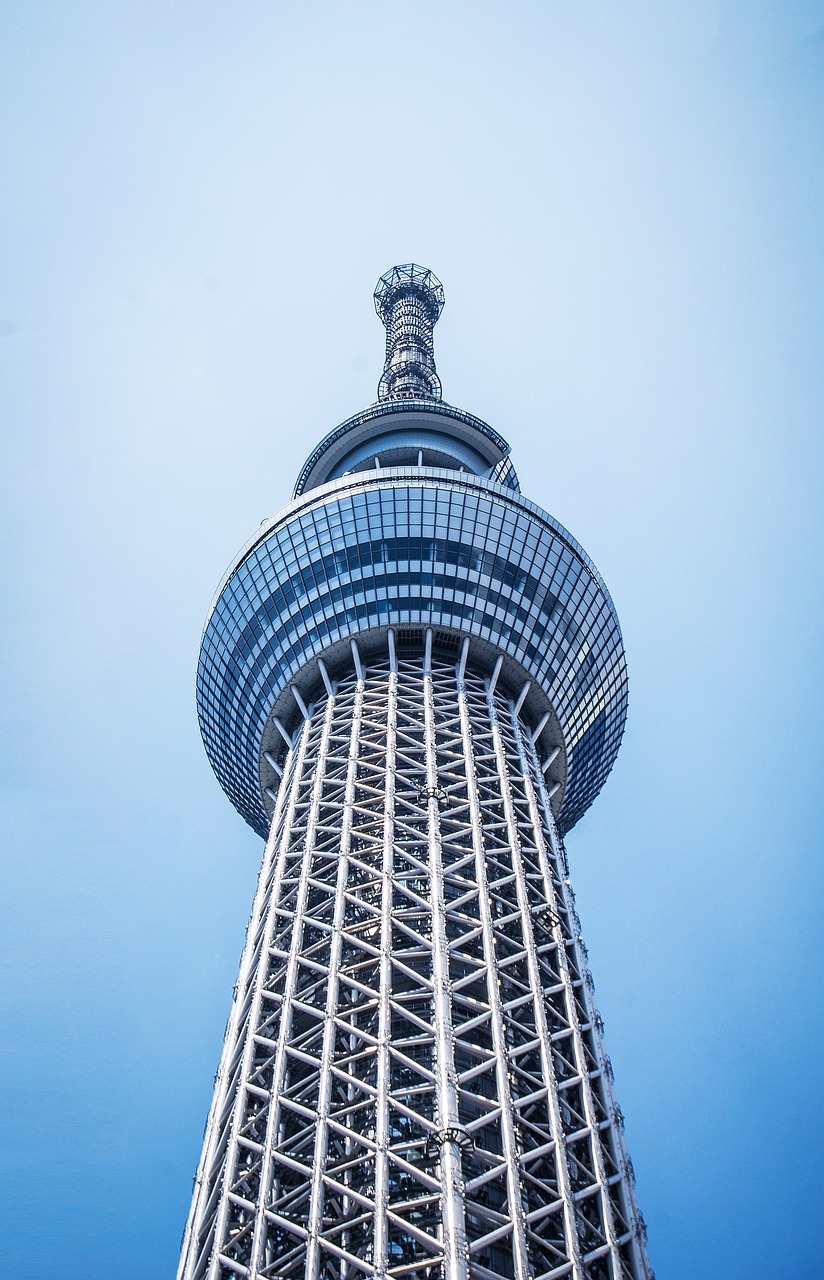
315,1243
456,1253
499,1046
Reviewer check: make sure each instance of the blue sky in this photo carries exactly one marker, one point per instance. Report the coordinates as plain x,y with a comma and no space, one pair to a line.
624,204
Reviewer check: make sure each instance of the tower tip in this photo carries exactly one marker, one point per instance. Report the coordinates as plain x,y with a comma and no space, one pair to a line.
407,279
409,299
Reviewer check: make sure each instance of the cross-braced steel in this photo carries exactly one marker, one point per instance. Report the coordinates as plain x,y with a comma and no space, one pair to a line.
413,1082
409,300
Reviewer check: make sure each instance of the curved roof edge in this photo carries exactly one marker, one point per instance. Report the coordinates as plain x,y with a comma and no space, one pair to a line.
377,417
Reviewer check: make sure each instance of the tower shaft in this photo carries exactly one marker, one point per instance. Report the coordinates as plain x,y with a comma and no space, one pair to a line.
413,1081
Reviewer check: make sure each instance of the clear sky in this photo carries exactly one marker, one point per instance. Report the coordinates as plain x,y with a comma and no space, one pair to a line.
624,202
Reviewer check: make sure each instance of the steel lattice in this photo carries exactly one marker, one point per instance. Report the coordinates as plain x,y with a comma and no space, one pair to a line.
413,1081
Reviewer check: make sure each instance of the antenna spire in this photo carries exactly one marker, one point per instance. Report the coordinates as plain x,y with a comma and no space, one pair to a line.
409,300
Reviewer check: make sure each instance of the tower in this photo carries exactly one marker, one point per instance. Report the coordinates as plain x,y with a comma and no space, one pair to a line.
412,684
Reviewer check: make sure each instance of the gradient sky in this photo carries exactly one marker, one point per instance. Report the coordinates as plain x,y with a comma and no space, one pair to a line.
624,202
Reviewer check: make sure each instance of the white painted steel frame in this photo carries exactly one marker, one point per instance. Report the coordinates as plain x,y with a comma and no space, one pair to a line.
413,1081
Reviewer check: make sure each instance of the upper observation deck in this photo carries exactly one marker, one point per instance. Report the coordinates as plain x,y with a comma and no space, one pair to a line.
409,425
409,433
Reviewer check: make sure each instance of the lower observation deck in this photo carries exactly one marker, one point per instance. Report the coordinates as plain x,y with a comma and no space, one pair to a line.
409,549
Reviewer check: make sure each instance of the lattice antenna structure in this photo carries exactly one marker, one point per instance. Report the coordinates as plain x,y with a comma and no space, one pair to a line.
412,684
409,300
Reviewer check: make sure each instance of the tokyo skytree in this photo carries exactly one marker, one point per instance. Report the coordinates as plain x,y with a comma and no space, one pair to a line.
412,685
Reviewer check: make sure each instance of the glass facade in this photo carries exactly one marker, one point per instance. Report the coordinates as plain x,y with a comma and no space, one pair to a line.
404,547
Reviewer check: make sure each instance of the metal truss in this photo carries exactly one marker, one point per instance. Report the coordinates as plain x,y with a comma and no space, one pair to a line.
413,1081
409,300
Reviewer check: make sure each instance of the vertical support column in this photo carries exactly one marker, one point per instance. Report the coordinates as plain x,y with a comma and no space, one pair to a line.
545,831
256,988
553,1102
508,1132
191,1255
384,1083
315,1225
258,1259
456,1263
641,1266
